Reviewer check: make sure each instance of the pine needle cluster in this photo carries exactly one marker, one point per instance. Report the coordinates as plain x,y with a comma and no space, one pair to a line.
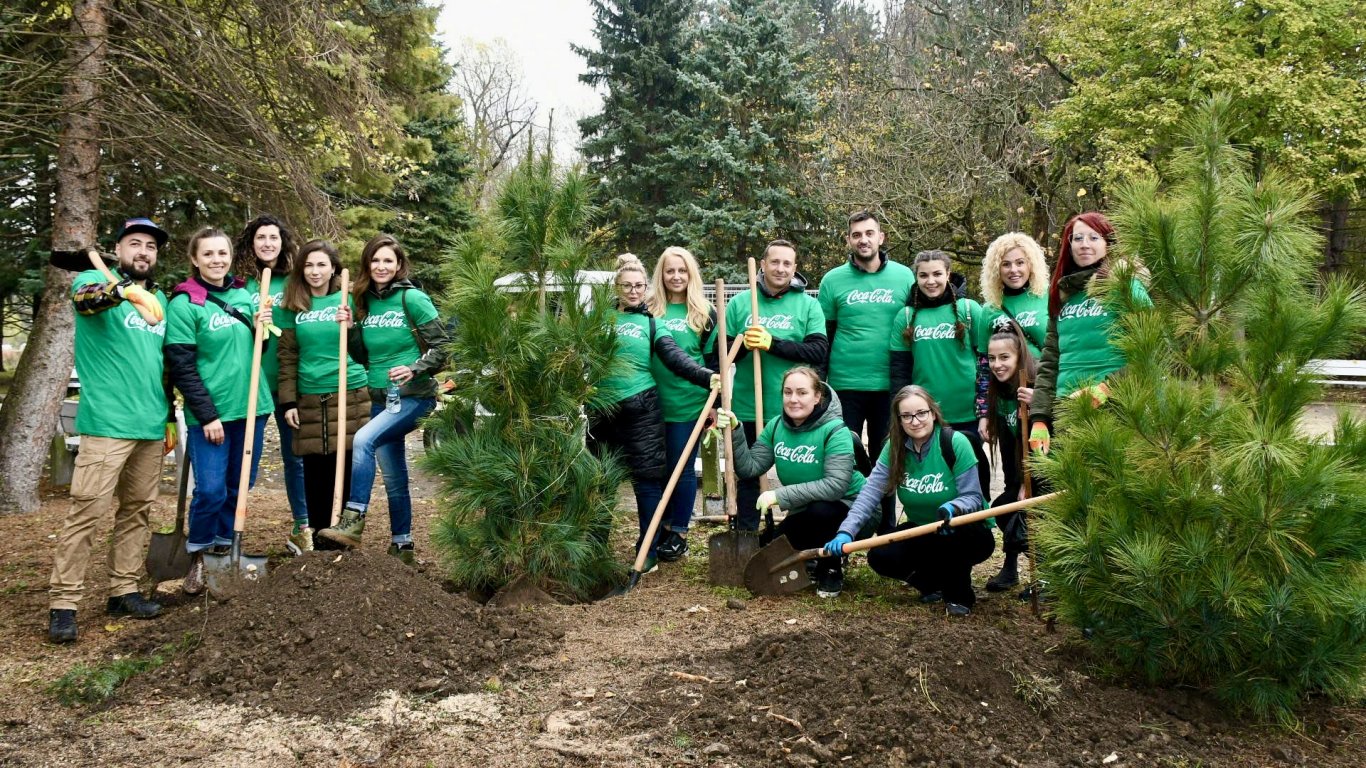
522,497
1203,538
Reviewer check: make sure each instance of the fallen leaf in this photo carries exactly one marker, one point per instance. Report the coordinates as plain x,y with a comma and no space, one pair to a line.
112,627
790,621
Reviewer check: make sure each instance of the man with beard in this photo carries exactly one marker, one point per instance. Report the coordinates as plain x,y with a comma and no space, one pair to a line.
125,421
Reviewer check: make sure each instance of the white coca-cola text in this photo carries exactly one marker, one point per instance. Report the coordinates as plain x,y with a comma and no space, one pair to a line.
630,331
391,319
925,485
324,315
221,320
941,331
795,454
1088,308
134,322
875,296
772,322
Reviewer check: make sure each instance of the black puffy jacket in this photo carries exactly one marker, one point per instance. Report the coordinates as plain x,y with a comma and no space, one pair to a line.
634,428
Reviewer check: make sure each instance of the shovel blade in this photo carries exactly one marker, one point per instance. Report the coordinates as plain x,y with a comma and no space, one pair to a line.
727,555
760,575
229,574
167,559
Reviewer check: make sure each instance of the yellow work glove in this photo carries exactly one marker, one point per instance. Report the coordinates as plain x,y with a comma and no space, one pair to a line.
143,301
766,499
715,383
757,337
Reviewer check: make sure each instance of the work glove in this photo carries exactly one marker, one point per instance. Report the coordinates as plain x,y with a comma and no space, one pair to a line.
757,337
142,300
835,547
726,419
767,499
715,383
171,439
1038,438
945,519
1099,393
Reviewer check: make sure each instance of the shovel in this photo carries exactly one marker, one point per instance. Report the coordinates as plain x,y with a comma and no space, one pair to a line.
775,570
638,566
758,384
728,552
338,476
227,574
167,559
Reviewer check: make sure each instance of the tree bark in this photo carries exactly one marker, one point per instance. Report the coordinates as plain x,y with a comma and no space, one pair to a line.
1335,215
28,418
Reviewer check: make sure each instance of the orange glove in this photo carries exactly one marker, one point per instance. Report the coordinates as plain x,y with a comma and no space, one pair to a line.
1039,438
172,437
142,300
1099,393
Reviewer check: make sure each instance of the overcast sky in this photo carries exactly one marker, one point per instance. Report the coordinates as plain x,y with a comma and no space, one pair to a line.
539,32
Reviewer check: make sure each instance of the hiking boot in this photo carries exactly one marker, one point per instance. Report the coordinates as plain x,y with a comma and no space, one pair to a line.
957,609
347,532
673,548
193,583
132,604
219,549
931,597
651,564
404,552
300,541
61,625
1007,578
830,582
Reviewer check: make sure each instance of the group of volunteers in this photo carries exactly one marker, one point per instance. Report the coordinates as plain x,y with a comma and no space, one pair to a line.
899,353
200,341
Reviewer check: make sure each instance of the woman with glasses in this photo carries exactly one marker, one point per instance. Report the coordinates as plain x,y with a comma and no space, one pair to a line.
1083,307
933,471
632,422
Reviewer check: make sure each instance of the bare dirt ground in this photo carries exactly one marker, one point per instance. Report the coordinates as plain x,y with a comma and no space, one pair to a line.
674,673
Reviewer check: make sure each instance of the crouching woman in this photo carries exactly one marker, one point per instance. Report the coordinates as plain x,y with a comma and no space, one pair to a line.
933,471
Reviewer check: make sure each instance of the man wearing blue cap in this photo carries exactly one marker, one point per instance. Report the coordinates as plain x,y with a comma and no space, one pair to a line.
125,421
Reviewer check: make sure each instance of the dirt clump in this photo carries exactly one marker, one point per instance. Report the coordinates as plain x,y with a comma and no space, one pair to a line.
946,693
325,632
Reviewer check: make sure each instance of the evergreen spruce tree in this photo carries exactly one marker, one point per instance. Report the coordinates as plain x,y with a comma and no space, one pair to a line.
1204,539
523,500
641,49
737,156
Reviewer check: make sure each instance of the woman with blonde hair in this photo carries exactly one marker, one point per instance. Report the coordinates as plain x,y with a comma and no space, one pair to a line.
1015,287
676,301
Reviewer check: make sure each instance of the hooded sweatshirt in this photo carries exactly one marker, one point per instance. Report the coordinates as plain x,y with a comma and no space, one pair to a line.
859,307
814,459
797,324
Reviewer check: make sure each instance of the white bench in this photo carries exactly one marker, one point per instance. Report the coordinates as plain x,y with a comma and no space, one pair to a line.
1338,373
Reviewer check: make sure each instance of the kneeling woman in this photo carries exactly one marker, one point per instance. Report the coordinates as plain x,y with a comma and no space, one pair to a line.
813,452
314,315
935,473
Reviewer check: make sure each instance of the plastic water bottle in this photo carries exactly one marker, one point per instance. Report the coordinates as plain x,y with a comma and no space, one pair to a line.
392,402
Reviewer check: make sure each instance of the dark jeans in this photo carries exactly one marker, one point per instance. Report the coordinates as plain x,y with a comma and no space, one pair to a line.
936,563
814,526
875,410
1015,526
320,472
294,467
747,491
217,472
648,493
969,429
679,513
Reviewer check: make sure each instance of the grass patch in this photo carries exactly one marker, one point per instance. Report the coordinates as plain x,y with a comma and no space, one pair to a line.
96,684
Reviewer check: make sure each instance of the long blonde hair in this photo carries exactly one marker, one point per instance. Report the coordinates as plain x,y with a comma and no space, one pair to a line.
699,311
996,253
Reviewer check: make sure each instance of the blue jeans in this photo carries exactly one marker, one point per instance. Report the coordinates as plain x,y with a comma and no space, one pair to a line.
648,494
294,467
679,513
217,471
382,439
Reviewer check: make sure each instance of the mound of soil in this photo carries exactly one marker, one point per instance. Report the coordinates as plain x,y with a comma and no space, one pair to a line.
325,632
948,693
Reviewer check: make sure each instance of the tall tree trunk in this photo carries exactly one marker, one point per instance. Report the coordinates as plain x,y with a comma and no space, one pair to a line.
28,419
1335,216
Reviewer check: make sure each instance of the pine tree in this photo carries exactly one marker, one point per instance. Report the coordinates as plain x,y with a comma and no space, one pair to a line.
1203,539
641,49
523,500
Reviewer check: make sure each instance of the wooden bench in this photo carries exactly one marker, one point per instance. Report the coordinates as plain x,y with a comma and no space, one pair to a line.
1338,373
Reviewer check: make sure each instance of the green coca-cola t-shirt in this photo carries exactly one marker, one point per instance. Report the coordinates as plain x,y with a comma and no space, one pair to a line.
792,317
223,354
1029,311
319,338
631,364
928,484
681,399
799,456
270,356
945,365
1009,411
1085,354
388,332
119,363
863,306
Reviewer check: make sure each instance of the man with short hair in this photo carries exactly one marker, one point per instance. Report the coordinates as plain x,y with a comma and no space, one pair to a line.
860,299
126,419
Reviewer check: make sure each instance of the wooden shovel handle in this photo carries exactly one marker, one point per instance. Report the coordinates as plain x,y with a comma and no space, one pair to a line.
758,364
249,441
726,369
340,443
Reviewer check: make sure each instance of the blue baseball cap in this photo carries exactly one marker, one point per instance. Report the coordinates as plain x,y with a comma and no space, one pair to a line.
146,226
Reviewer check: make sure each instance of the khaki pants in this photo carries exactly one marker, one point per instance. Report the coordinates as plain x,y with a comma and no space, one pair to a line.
105,466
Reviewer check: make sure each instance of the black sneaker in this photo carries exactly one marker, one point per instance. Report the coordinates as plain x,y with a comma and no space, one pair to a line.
132,604
931,597
61,625
956,609
830,582
673,548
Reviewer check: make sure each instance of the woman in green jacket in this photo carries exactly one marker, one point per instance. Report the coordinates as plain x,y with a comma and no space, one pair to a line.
1083,306
311,320
813,452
